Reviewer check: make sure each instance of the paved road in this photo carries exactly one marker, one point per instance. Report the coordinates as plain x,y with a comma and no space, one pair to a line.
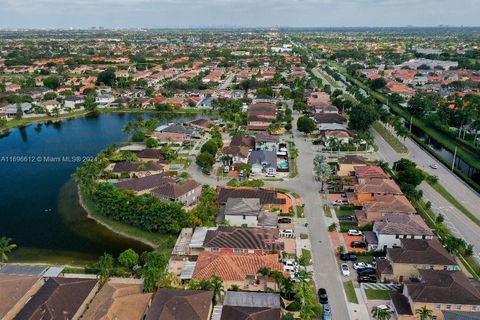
455,220
228,81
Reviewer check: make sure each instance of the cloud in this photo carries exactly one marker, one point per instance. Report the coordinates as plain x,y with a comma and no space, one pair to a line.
174,13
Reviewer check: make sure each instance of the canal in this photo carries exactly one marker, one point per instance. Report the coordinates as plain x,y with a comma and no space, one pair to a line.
39,206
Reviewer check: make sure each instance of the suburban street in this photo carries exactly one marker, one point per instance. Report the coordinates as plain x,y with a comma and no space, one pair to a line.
455,220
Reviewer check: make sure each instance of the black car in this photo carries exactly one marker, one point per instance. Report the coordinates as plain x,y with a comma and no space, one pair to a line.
348,257
322,296
358,244
366,271
368,279
346,218
285,220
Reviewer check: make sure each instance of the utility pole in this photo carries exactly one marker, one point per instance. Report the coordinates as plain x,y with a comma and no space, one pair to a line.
454,157
411,119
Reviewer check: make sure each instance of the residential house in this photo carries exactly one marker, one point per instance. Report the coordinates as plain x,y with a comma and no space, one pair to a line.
237,269
396,227
237,154
347,164
342,137
269,199
263,161
330,121
438,291
179,304
202,124
59,298
120,299
186,192
365,173
11,109
266,142
145,184
260,116
150,154
226,239
243,141
246,212
15,291
251,306
370,189
74,101
49,105
136,167
374,211
414,255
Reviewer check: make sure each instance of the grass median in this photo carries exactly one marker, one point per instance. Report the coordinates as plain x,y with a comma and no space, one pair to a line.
350,292
393,141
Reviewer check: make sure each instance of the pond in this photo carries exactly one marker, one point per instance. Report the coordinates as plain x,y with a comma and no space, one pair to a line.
39,206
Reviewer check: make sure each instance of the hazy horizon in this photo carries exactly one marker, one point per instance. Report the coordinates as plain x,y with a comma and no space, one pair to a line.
110,14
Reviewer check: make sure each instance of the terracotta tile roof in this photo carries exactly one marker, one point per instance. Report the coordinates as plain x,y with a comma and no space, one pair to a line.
264,106
247,141
175,190
415,251
59,298
118,301
13,288
243,238
370,171
394,224
449,287
375,185
233,267
177,304
390,204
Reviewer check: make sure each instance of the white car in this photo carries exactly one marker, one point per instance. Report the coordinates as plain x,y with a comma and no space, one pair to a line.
385,307
353,232
434,166
345,270
360,265
287,233
290,266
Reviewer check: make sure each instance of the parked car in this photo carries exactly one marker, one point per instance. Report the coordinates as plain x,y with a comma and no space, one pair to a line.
348,257
385,307
337,202
284,220
434,166
358,244
346,218
367,279
345,270
287,233
327,312
322,296
361,265
353,232
366,271
290,266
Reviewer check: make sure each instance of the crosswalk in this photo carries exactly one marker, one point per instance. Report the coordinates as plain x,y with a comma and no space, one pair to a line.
381,286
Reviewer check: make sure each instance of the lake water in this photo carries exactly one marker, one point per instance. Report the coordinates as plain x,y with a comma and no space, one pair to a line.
39,206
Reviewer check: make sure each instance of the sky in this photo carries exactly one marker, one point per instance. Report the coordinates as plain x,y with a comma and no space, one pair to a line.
236,13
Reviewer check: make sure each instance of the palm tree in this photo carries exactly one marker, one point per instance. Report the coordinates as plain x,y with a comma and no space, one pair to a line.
265,272
217,287
424,313
5,248
278,277
323,171
381,314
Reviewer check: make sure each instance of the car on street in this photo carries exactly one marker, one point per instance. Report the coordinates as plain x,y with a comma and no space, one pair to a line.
287,233
367,279
346,218
348,257
434,166
361,265
366,271
327,312
358,244
345,270
354,232
322,296
284,220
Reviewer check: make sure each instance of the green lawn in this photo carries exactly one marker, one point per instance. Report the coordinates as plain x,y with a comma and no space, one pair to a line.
306,254
390,138
350,292
373,294
299,211
327,211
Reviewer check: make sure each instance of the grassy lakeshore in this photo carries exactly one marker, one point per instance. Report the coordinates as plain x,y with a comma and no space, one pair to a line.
157,241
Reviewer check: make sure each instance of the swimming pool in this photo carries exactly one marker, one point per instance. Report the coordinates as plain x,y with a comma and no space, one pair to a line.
283,164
